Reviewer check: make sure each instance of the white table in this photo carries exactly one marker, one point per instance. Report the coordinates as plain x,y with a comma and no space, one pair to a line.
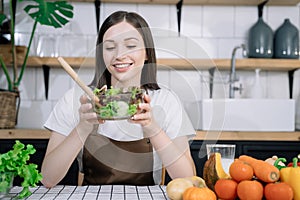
103,192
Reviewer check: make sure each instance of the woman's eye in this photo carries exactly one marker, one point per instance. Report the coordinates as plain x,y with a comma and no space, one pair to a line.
131,46
109,48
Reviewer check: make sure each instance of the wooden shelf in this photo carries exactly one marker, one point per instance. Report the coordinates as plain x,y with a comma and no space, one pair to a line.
182,64
241,2
202,2
24,134
241,64
75,62
201,135
132,1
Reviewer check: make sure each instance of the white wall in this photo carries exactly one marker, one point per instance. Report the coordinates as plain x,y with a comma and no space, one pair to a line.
207,32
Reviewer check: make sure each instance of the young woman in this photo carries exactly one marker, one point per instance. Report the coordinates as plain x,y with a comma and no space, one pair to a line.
129,151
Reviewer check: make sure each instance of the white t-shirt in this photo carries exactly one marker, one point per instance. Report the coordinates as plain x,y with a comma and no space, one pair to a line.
167,111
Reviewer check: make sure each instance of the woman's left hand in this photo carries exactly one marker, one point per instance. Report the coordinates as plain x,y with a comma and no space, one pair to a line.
145,118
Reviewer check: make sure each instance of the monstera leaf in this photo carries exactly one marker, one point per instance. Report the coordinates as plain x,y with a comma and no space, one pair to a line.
50,13
45,12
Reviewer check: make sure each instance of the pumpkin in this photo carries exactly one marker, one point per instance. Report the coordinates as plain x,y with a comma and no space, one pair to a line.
213,170
176,188
195,193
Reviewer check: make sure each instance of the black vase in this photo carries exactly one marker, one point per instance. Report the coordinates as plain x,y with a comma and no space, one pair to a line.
260,42
286,41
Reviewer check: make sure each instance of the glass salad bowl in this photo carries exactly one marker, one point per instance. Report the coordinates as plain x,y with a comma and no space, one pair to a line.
118,103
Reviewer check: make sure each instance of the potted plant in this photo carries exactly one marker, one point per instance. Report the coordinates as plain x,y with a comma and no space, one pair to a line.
50,13
15,163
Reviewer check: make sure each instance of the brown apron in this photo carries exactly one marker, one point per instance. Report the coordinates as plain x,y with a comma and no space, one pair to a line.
107,161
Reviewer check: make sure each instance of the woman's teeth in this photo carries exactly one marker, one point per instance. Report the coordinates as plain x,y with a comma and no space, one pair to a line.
122,65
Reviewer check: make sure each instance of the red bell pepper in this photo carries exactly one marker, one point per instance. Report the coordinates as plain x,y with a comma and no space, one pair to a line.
291,163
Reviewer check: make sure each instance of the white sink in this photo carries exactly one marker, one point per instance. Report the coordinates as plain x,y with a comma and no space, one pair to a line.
243,114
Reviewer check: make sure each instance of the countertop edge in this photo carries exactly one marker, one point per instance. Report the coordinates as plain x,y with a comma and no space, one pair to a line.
200,135
248,136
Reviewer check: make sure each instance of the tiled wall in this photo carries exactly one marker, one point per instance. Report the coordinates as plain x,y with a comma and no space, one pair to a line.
206,32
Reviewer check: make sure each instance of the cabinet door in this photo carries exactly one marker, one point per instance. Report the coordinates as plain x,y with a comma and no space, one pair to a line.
264,150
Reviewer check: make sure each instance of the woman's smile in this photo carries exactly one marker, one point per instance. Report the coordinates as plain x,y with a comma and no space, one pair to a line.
122,67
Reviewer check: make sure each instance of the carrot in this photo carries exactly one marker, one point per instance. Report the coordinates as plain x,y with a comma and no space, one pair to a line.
262,170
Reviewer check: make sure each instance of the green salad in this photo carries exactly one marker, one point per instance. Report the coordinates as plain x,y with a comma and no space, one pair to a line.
118,103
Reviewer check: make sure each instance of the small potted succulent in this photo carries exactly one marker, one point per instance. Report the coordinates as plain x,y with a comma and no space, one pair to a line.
15,163
50,13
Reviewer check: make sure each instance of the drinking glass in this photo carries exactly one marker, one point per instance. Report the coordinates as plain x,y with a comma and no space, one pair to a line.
227,152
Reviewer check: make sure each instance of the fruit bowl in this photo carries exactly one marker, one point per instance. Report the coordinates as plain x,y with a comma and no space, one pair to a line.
118,103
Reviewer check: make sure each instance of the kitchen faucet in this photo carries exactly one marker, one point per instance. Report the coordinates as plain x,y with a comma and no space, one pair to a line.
232,77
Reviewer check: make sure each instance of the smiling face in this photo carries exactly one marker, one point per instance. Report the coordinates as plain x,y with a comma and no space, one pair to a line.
124,54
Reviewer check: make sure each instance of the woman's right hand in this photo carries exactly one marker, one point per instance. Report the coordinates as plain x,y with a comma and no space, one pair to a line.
62,150
88,118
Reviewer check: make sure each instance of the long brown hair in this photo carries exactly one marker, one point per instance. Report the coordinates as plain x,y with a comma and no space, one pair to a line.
148,77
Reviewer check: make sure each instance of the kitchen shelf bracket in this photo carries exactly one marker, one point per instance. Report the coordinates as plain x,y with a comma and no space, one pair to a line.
211,72
97,10
291,81
179,9
46,71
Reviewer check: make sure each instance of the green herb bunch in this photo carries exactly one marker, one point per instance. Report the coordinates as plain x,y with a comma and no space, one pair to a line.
15,161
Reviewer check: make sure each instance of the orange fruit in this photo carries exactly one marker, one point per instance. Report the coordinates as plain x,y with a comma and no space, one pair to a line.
226,189
250,190
195,193
278,191
240,171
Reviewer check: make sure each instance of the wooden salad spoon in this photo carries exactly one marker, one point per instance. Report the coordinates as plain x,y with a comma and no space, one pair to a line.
81,84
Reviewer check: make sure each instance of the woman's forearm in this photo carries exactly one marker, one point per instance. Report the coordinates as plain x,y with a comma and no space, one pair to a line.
175,155
61,153
183,167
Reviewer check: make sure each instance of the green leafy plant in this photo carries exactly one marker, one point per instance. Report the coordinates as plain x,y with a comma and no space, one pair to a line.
16,161
49,13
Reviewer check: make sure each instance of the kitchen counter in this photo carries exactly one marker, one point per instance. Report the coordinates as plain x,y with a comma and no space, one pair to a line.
260,145
201,135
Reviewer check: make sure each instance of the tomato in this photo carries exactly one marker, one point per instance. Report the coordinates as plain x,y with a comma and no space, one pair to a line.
278,191
226,189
